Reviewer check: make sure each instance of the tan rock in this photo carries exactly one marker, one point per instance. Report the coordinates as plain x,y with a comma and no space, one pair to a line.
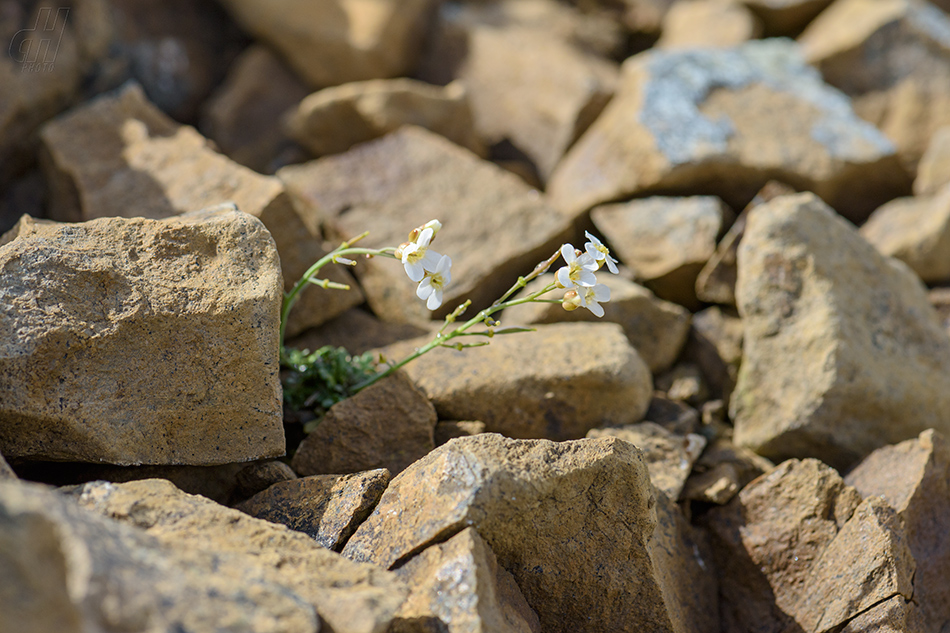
715,346
722,471
725,122
914,478
915,231
826,320
327,508
786,17
940,300
933,170
665,241
386,425
708,23
243,116
892,57
119,156
409,177
135,341
551,514
894,615
330,43
5,471
349,598
335,119
67,569
555,383
669,457
451,429
460,584
656,328
684,382
259,476
356,330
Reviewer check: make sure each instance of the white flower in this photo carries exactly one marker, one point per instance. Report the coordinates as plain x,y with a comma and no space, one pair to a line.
417,258
579,270
591,298
434,282
596,249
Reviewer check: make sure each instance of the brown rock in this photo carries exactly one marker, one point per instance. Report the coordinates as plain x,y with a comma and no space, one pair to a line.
894,615
5,471
715,346
327,508
335,119
119,156
665,241
786,17
725,122
451,429
357,331
673,415
656,328
722,471
826,321
349,598
409,177
330,43
708,23
387,425
460,584
141,341
551,514
940,300
259,476
933,171
556,383
683,382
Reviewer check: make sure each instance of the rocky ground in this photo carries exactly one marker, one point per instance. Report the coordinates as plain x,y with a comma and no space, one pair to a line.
753,438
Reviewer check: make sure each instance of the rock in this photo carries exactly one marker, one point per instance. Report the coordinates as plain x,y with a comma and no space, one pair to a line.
665,241
940,299
67,569
243,116
259,476
669,457
673,415
451,429
555,383
894,615
892,57
915,231
656,328
683,382
708,24
551,513
174,363
722,471
335,119
459,584
386,425
356,330
914,478
933,170
409,177
330,43
826,320
715,346
5,471
527,86
786,17
725,122
119,156
327,508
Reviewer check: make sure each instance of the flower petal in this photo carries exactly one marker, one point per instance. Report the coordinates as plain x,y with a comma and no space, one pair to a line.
567,252
425,289
415,270
601,293
612,264
586,278
424,238
431,260
563,277
435,300
596,309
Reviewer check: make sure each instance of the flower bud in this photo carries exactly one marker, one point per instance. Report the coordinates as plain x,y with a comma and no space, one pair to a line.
571,301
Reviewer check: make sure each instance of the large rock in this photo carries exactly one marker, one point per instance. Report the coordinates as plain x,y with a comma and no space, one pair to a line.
555,383
140,341
725,122
842,351
120,156
339,41
892,57
933,171
349,597
572,522
494,227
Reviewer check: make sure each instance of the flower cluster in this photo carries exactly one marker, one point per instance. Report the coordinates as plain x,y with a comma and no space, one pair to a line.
430,269
578,277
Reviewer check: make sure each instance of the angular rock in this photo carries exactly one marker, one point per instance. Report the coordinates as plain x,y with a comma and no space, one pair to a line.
708,24
665,241
571,521
330,43
915,231
67,569
357,331
555,383
327,508
933,170
827,319
656,328
715,346
786,17
892,57
349,598
335,119
725,122
451,429
894,615
386,425
722,471
459,584
914,478
494,227
259,476
135,341
243,116
669,457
